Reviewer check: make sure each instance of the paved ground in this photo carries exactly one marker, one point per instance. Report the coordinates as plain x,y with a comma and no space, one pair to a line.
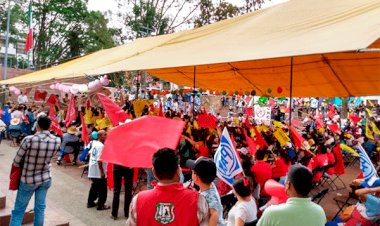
69,191
68,194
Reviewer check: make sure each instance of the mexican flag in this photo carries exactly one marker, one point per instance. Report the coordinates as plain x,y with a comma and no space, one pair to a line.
29,36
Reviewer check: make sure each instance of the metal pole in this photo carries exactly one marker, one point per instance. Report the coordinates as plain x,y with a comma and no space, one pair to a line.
291,91
7,41
195,69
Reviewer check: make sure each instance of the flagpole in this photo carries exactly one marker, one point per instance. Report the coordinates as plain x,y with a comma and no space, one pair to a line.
195,69
7,42
291,91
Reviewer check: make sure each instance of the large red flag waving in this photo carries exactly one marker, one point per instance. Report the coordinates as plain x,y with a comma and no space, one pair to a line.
54,122
85,137
259,139
251,144
71,113
134,143
114,112
297,138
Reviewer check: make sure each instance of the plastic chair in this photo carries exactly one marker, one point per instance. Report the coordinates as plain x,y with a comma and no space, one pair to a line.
319,196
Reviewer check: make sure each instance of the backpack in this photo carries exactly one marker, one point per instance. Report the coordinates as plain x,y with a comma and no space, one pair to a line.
84,155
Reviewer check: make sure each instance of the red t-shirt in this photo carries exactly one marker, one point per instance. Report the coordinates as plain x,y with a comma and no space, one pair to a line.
280,169
263,172
203,151
319,161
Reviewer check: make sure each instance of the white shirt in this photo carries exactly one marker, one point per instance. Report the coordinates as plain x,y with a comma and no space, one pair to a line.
246,211
95,153
22,99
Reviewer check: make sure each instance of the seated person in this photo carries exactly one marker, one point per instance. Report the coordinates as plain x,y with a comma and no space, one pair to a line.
15,130
70,144
261,169
281,166
364,213
245,210
317,163
298,209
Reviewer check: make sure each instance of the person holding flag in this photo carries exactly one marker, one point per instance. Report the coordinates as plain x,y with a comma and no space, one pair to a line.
226,159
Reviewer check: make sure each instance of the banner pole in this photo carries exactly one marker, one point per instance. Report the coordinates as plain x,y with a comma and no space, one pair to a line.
291,91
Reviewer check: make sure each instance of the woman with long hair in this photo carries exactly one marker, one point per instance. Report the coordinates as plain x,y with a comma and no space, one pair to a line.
245,209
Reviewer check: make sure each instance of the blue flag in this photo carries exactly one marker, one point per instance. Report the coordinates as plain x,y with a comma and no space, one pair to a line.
226,159
369,172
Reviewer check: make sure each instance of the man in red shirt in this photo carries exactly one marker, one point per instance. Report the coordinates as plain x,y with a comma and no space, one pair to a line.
169,203
261,169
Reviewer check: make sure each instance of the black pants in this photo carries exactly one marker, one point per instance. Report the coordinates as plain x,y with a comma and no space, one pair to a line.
118,173
98,191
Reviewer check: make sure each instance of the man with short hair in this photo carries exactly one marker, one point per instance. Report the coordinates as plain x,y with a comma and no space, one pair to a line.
299,209
34,156
97,172
169,202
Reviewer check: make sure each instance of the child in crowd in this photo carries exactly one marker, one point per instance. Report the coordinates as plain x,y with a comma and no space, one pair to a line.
204,173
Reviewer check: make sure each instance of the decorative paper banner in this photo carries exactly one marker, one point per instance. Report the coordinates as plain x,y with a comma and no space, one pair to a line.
262,115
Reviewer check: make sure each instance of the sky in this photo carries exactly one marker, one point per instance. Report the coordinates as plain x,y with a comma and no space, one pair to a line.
104,5
112,10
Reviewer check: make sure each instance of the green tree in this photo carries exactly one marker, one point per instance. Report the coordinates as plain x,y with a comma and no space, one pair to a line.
65,29
211,11
155,17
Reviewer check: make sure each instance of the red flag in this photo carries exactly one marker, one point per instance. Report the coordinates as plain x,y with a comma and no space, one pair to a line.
71,113
234,144
151,108
259,139
206,121
249,112
296,123
114,112
331,108
85,137
54,122
333,127
251,144
355,119
160,111
339,166
204,111
155,132
297,138
88,103
29,36
331,114
38,95
52,100
319,123
247,123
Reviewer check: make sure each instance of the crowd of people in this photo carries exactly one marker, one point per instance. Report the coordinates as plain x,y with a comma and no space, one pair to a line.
299,167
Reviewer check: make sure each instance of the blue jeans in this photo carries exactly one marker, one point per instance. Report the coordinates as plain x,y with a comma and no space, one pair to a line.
24,193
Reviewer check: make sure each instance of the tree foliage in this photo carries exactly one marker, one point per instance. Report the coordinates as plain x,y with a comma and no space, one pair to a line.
154,17
65,29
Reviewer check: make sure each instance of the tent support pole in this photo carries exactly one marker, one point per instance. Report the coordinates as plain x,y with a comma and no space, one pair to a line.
195,69
291,91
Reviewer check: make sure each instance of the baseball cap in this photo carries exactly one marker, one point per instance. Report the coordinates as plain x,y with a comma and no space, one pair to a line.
203,167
